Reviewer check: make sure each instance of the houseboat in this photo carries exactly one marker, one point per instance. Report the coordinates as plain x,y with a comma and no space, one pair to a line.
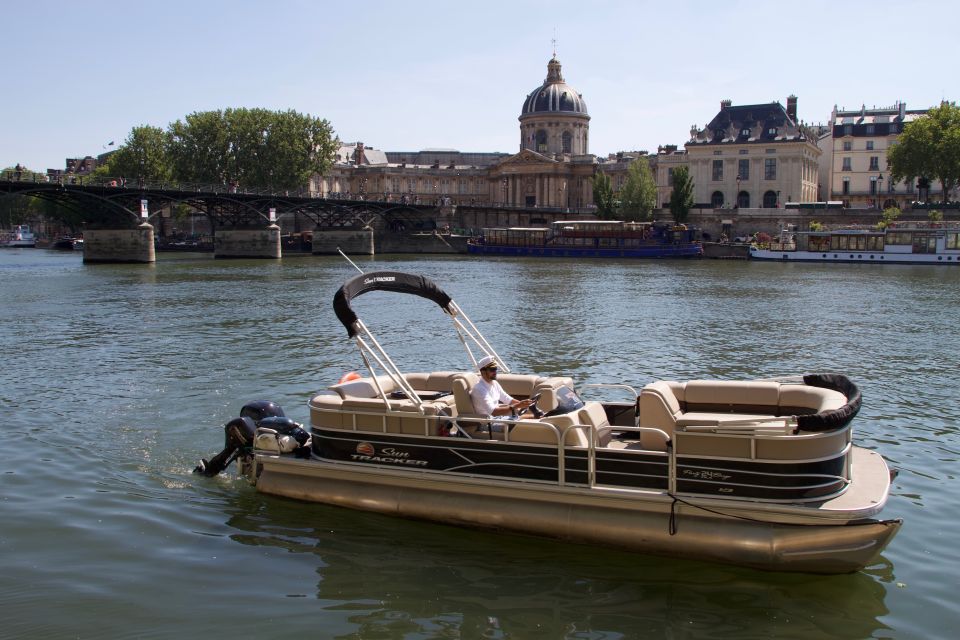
761,473
20,236
590,239
902,243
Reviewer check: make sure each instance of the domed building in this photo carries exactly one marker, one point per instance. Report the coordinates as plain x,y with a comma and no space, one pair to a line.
552,170
554,119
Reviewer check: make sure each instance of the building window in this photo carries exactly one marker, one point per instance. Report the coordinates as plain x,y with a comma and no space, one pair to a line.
770,169
718,169
848,129
745,133
743,200
846,186
772,131
567,142
846,164
873,185
669,177
847,145
770,200
542,141
870,130
874,163
743,169
869,145
717,200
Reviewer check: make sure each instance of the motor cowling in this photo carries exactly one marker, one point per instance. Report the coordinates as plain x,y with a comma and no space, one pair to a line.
260,409
281,435
240,434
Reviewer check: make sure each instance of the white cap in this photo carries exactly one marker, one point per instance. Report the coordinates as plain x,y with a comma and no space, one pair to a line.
486,361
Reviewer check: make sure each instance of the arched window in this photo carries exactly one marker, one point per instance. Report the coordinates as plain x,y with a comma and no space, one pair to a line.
770,200
717,200
743,200
542,141
567,142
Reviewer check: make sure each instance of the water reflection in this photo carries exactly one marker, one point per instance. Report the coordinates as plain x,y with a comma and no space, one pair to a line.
394,578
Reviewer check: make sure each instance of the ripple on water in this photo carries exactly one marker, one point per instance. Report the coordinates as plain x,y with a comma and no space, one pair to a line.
117,380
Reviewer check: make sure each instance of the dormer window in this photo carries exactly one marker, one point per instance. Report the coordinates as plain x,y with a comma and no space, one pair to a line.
772,131
745,133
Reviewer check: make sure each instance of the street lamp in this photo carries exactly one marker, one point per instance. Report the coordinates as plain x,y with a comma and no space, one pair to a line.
879,189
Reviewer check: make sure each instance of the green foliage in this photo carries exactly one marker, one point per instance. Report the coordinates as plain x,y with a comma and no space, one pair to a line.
639,193
255,148
888,217
681,198
144,154
935,216
816,226
603,196
929,147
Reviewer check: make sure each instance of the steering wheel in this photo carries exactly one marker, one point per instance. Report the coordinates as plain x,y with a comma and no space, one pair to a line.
533,408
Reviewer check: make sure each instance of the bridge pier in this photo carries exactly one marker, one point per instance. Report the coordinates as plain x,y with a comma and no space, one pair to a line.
119,245
326,241
247,243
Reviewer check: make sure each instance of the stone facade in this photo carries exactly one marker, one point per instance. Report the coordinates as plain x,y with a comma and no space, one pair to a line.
854,170
753,156
552,170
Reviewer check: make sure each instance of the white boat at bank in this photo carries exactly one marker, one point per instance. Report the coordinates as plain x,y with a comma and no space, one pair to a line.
899,244
762,473
20,236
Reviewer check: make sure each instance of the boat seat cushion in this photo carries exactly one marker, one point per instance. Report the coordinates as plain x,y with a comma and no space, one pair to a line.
731,396
796,399
547,388
519,385
544,434
364,387
462,385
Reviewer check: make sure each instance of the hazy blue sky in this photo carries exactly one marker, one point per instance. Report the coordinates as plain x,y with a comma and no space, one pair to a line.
404,76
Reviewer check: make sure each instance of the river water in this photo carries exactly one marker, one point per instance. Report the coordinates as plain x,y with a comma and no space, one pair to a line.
116,379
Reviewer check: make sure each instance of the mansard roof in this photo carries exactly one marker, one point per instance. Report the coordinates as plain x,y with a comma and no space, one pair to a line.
760,123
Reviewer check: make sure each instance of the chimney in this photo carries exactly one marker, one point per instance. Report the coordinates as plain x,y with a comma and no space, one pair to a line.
725,104
792,107
359,156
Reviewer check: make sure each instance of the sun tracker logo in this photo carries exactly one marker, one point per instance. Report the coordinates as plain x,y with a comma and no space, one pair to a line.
365,449
388,455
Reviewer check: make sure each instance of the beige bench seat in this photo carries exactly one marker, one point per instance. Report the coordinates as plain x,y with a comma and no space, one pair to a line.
671,406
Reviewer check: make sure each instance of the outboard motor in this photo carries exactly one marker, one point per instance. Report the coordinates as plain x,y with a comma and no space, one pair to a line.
260,409
240,435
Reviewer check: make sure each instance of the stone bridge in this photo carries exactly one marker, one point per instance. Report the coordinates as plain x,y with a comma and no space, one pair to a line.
117,216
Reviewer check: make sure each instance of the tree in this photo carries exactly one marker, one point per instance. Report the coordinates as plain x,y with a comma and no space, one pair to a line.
681,198
144,154
888,217
929,147
638,196
603,195
256,148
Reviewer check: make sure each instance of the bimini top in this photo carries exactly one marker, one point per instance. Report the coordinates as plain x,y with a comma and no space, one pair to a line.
384,281
554,95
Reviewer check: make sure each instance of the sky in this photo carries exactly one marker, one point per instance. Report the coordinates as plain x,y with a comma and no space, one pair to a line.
405,76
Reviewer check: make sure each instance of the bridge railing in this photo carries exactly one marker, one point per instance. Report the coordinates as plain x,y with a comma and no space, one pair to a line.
135,184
